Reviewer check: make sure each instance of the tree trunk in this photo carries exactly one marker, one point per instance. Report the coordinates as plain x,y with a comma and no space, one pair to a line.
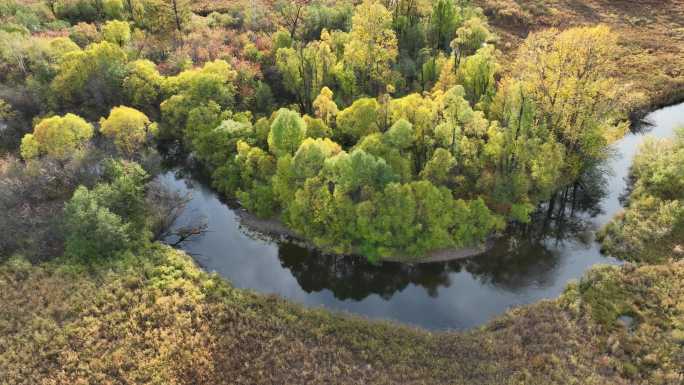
552,204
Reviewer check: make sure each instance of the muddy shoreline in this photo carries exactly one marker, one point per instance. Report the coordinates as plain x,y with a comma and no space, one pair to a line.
666,98
275,230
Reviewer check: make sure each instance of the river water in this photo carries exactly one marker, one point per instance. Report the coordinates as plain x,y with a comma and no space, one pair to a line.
522,268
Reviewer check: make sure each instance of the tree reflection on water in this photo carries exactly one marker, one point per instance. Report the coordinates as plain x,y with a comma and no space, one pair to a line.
524,256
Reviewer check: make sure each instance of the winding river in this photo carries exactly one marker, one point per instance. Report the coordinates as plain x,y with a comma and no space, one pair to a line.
521,268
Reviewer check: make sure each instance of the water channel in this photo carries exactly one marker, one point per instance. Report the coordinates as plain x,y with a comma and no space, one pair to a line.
521,268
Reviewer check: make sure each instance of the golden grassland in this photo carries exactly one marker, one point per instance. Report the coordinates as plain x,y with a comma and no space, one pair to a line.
157,318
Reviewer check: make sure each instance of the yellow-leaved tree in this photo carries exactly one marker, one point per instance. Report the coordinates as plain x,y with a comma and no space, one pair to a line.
372,47
128,127
568,76
57,136
325,106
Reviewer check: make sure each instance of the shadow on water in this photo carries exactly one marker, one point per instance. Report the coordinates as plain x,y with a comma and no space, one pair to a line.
528,264
517,261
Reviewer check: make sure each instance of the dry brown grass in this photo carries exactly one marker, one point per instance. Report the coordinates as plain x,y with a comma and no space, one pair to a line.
157,319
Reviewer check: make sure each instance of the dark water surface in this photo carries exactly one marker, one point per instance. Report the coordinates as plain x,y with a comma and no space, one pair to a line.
521,269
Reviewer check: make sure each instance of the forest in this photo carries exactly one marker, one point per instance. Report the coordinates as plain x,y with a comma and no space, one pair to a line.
394,132
374,128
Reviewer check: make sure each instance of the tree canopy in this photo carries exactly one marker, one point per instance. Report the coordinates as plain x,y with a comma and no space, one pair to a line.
375,128
128,127
57,136
372,46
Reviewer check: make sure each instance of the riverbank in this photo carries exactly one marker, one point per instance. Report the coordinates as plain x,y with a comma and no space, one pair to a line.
275,230
154,317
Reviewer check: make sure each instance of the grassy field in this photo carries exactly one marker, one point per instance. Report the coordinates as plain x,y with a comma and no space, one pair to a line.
156,318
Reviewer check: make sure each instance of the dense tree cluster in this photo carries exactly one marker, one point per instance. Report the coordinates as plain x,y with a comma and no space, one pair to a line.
376,128
88,196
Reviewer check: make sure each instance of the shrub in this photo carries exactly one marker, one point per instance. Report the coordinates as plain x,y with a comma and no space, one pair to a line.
111,217
92,230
